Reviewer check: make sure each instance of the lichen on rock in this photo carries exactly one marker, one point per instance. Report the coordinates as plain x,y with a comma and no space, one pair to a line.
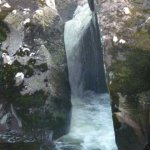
34,86
125,30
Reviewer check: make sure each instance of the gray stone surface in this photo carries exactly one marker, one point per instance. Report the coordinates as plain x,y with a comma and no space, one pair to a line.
40,104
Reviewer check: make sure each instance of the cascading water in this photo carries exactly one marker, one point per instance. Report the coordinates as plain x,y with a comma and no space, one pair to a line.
91,123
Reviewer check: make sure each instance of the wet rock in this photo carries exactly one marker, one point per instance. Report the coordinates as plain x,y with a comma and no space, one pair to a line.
34,86
125,28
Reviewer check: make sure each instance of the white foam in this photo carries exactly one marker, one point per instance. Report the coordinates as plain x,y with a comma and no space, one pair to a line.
91,122
92,126
73,30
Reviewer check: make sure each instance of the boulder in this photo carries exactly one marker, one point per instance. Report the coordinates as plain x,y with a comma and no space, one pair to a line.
34,86
126,34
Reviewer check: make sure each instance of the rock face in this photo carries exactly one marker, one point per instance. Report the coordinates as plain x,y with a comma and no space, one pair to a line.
34,88
146,4
125,27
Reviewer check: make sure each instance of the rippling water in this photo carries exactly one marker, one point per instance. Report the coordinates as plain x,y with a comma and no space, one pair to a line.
91,127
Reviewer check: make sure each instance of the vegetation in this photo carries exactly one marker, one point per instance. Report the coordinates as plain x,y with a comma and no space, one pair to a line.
132,76
3,31
28,104
141,39
132,70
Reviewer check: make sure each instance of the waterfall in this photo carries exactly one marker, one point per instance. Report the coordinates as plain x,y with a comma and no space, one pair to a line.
91,123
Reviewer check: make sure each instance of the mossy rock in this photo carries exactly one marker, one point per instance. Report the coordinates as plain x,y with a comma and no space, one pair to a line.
31,118
3,31
58,116
36,116
141,39
4,13
7,81
133,75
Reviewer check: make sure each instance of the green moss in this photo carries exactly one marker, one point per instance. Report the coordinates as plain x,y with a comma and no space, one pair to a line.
117,124
32,62
133,75
3,31
34,102
136,19
7,81
2,35
8,72
41,2
27,101
4,13
141,39
28,71
39,118
22,53
147,11
32,122
137,1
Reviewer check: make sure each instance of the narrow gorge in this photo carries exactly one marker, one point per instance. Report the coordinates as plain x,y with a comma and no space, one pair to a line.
74,75
91,123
